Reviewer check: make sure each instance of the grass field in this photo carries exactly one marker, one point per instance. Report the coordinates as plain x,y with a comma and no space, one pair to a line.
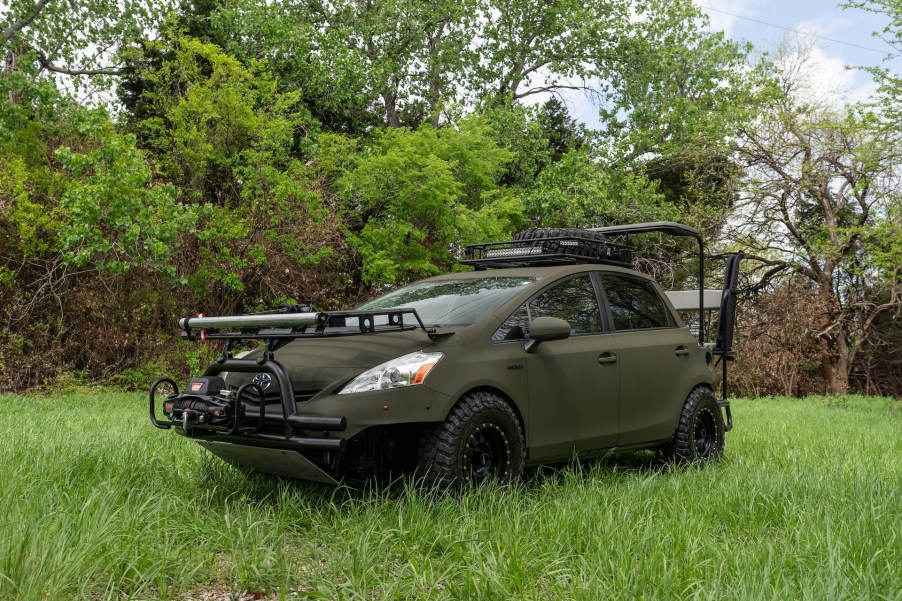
807,504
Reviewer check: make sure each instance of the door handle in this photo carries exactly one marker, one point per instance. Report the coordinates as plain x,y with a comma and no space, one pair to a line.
681,351
607,358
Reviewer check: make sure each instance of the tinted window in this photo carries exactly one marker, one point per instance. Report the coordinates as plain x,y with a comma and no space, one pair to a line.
514,327
635,304
573,301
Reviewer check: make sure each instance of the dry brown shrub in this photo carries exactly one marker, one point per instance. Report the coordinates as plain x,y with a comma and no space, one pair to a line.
776,350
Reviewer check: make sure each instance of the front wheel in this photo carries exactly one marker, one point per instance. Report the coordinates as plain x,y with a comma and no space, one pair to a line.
480,441
699,437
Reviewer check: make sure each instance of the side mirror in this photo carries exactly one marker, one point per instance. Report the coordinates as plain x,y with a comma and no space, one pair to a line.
546,328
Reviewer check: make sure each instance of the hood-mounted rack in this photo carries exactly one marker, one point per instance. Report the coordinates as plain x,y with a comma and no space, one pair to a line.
308,324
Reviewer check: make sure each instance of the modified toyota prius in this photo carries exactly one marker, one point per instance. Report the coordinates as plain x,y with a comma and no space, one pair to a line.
553,347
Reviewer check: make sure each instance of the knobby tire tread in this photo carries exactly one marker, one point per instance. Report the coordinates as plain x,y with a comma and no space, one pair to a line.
437,461
682,448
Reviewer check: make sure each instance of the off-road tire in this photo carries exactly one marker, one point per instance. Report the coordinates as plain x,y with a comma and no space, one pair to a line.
597,247
699,436
558,232
480,440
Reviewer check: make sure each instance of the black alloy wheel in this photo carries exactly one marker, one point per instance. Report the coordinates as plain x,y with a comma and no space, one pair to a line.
486,453
699,435
480,441
705,432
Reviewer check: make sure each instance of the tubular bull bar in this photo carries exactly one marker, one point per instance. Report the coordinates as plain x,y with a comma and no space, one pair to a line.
245,427
276,329
217,419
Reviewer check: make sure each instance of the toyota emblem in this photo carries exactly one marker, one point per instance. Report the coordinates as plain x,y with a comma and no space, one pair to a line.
262,380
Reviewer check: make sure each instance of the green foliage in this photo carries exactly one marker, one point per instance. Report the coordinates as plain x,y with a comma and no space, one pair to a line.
578,191
357,64
676,104
223,133
115,218
413,197
77,37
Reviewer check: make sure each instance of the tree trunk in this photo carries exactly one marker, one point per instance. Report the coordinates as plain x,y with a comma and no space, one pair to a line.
833,338
391,110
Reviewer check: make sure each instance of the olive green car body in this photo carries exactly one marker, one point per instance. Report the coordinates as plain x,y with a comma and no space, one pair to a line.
580,395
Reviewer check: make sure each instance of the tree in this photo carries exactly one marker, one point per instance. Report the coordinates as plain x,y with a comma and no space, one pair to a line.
673,106
821,204
77,37
87,239
413,198
233,144
357,63
578,192
524,48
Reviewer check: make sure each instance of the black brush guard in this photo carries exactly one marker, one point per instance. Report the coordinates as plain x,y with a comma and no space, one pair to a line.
276,330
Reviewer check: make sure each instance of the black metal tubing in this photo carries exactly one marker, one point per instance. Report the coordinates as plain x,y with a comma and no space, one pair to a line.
305,421
275,441
270,366
673,229
724,402
238,396
153,389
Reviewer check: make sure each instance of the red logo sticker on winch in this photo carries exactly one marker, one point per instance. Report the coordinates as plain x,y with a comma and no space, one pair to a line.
195,386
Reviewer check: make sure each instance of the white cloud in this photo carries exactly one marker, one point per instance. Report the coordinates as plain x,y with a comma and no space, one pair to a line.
823,77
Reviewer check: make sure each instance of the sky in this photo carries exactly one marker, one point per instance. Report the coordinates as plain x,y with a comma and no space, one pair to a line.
842,39
843,36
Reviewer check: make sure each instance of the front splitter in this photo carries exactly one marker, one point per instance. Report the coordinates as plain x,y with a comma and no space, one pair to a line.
279,462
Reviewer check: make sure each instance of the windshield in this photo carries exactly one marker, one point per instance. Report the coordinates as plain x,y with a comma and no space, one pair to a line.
452,302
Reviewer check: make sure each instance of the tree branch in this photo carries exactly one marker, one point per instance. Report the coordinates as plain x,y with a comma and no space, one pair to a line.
20,24
46,64
552,88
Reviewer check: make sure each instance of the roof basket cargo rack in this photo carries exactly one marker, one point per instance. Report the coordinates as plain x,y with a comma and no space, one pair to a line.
550,250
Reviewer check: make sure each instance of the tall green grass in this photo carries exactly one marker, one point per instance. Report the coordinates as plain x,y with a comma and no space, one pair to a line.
807,504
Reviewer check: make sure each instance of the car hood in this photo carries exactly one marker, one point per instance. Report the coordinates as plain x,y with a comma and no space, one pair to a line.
315,364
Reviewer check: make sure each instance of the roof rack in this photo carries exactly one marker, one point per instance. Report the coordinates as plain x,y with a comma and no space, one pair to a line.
552,250
594,247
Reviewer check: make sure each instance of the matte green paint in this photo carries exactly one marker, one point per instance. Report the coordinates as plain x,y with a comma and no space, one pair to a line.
582,394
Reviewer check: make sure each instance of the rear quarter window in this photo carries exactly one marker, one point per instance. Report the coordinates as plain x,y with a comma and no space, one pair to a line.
635,304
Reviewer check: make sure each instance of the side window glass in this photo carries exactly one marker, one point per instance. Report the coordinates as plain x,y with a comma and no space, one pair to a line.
573,301
514,327
635,304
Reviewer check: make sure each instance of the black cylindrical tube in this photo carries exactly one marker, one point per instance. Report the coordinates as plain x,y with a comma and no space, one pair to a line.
318,422
252,366
305,421
303,443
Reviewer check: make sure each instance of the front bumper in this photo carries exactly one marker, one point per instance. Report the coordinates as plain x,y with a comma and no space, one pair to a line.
252,440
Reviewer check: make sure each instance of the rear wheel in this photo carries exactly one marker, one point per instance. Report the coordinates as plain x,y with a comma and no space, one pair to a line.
699,436
480,441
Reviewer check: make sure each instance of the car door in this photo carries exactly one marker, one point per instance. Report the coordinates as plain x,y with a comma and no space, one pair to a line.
574,384
654,355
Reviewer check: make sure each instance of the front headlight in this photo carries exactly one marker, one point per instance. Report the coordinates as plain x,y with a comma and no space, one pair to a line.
408,370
